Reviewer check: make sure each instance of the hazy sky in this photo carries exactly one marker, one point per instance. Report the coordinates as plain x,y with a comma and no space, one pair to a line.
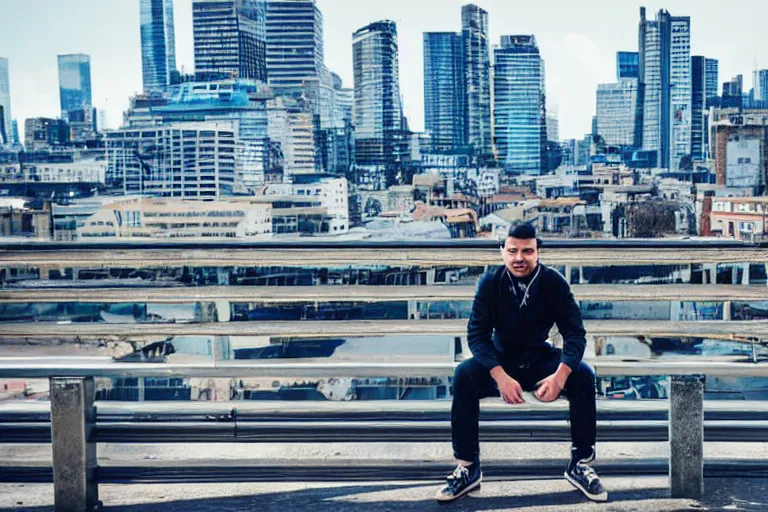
578,41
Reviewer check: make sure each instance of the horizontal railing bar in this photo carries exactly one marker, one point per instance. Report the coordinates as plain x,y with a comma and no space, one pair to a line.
371,430
331,293
356,369
104,256
715,329
35,412
554,243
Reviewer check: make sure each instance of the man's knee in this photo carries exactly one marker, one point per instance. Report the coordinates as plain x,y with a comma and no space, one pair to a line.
463,377
582,380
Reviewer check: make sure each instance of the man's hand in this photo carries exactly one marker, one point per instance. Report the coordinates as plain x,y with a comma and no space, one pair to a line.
509,388
551,387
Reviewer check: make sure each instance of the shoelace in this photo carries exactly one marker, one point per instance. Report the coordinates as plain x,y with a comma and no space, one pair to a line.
460,474
588,473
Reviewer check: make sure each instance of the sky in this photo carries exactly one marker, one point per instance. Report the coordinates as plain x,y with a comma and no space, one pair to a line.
578,42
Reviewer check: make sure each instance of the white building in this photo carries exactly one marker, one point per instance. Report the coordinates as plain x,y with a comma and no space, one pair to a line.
189,160
178,218
331,193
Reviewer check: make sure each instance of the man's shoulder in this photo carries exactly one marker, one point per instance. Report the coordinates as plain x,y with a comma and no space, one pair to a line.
490,276
553,277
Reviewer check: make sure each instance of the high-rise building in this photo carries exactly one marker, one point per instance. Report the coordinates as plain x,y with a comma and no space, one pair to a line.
619,118
158,44
665,78
477,84
553,125
760,84
5,103
194,160
230,39
445,122
698,106
295,48
734,88
75,94
712,80
627,65
242,101
519,105
378,111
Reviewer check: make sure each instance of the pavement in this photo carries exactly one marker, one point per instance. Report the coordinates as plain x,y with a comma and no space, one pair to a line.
626,494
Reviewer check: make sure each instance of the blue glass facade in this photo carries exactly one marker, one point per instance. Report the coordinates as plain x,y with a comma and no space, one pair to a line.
627,65
698,104
294,47
378,112
665,78
477,85
444,116
158,47
519,114
75,88
223,101
712,80
230,39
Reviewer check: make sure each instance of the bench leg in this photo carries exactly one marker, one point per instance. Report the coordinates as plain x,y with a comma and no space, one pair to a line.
74,455
686,436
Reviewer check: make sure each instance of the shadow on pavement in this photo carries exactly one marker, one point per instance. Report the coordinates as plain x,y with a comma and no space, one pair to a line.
360,498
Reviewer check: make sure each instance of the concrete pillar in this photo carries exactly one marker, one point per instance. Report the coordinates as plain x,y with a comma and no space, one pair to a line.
74,455
568,272
745,273
686,436
727,310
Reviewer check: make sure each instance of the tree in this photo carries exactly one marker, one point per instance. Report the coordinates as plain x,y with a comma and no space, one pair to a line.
650,219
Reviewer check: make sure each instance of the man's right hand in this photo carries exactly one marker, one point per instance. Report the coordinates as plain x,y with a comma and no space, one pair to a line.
510,390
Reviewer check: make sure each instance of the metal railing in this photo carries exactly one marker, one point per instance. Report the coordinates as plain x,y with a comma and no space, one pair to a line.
76,423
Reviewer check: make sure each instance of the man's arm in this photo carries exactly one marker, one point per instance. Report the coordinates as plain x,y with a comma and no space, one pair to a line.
569,323
480,326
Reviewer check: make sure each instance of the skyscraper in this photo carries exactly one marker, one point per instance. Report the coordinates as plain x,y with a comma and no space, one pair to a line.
294,55
665,77
712,81
477,85
444,116
618,110
158,46
698,105
761,85
378,112
75,93
230,39
627,65
5,103
518,105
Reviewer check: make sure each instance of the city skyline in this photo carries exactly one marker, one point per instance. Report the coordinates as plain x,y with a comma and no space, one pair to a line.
575,42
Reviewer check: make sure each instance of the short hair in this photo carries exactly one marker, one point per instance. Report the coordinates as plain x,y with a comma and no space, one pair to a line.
521,232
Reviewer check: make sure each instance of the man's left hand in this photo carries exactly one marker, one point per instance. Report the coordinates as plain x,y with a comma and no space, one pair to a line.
551,387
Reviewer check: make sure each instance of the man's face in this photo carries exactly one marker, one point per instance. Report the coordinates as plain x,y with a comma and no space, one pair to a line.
520,256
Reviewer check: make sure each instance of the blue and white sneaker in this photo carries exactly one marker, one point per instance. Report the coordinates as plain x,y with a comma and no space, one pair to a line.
462,481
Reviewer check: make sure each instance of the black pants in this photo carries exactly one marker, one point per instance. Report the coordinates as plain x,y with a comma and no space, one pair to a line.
472,381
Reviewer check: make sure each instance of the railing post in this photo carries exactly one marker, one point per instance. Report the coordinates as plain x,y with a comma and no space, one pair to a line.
686,436
74,455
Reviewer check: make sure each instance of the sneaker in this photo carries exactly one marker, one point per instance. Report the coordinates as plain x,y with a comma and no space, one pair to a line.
462,481
583,477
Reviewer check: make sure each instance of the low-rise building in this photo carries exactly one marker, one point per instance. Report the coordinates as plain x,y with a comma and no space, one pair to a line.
178,218
740,218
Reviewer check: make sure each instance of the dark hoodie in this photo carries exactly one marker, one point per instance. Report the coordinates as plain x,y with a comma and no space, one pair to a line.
501,330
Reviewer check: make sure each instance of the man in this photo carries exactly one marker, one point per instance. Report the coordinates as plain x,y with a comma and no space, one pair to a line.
515,307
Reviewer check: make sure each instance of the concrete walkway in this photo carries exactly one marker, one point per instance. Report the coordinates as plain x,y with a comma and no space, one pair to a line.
626,494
